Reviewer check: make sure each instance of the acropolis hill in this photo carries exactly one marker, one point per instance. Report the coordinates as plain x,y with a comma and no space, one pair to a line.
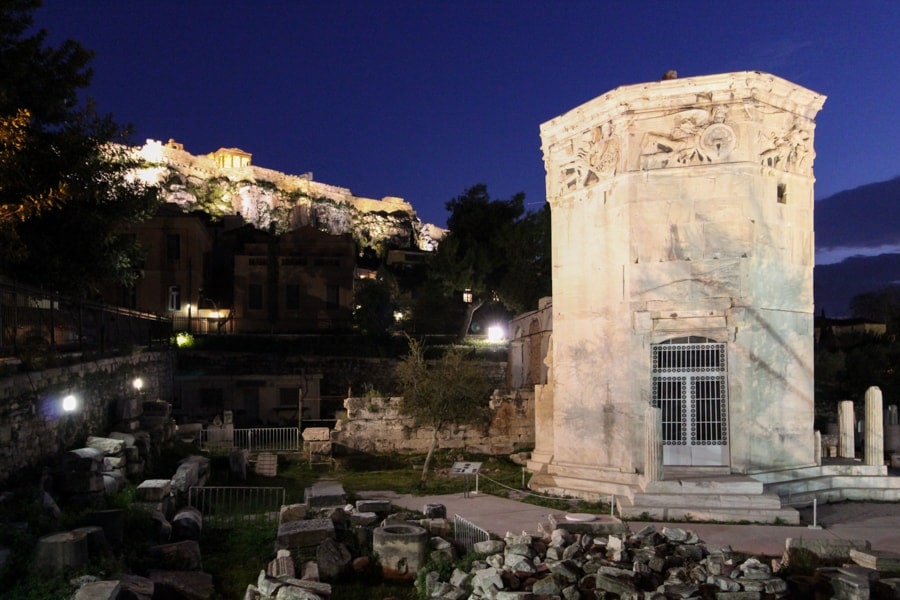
225,182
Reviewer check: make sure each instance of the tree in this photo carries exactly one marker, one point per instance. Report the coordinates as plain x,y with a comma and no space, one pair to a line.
67,190
451,390
494,251
881,305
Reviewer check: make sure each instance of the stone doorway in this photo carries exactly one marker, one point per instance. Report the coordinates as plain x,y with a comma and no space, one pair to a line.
690,386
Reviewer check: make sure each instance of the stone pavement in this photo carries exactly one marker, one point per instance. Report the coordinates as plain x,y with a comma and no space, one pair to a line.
879,523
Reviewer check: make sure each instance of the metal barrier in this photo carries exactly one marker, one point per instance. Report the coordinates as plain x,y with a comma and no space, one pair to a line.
467,533
257,439
33,320
225,507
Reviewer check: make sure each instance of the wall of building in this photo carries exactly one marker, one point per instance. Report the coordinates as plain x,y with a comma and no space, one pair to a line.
376,425
33,427
681,209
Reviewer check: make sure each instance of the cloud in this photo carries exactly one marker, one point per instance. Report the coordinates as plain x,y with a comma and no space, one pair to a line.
829,256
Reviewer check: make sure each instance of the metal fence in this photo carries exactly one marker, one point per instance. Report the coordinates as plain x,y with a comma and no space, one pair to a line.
33,320
467,533
227,507
257,439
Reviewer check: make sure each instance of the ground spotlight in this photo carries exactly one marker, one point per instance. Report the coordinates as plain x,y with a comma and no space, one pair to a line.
69,403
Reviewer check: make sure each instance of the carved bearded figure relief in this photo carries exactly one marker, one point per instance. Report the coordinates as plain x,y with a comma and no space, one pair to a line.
789,150
587,159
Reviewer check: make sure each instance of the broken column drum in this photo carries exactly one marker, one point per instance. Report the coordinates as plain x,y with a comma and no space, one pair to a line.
682,253
401,549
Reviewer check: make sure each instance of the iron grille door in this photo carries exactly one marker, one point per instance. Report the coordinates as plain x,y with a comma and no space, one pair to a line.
690,387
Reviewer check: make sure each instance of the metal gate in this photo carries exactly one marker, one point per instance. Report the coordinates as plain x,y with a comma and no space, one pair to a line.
690,387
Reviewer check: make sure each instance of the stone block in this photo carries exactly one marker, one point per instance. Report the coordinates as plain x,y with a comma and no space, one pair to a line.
375,505
292,512
363,519
183,556
316,434
99,590
126,437
297,535
187,524
58,552
325,494
191,472
181,584
83,460
885,562
153,490
109,446
828,549
267,464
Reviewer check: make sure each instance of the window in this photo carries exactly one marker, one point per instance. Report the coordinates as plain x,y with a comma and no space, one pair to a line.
333,296
292,296
782,193
254,296
174,302
173,246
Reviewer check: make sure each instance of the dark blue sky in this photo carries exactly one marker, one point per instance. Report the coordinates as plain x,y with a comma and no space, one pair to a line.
424,99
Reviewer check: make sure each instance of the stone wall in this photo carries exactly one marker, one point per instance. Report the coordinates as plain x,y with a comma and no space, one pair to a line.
34,429
375,424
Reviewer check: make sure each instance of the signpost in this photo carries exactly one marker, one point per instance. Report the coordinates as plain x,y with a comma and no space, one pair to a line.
467,469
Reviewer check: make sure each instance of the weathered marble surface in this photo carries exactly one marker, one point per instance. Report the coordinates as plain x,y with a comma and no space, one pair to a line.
679,208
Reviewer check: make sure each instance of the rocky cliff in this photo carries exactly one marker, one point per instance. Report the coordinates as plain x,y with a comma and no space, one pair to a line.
225,183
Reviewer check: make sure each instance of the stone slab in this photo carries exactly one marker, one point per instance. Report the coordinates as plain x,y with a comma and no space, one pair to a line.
267,464
308,533
885,562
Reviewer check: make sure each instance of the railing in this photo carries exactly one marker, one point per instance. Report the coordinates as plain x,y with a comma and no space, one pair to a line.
257,439
467,533
225,507
33,320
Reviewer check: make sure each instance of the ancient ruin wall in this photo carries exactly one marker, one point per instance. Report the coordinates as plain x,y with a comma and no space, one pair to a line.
33,427
376,425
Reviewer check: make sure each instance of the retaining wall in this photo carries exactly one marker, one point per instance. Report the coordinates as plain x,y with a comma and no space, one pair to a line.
34,429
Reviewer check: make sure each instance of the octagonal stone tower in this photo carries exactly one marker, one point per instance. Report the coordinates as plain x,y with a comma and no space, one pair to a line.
682,227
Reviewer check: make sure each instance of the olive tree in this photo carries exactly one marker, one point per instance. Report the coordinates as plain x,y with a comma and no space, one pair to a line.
450,390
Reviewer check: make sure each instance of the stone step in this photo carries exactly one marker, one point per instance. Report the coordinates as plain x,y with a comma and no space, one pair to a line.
750,501
732,484
735,514
854,469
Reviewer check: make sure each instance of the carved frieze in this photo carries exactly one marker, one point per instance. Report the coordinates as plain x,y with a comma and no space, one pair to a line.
697,136
789,149
583,160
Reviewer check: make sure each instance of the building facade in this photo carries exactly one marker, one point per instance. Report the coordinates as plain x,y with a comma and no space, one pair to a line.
682,228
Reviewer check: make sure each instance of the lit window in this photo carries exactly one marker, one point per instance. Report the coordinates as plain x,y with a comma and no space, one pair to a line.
174,297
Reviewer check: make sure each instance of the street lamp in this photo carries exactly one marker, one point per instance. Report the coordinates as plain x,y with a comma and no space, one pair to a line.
467,296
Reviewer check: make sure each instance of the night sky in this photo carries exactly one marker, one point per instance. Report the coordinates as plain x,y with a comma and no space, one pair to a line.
424,99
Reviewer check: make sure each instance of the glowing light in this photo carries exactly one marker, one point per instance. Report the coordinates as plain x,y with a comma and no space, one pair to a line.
495,334
467,296
69,403
183,339
137,384
398,316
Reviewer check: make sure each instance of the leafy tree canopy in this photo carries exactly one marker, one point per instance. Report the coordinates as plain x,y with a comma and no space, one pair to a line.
495,250
66,185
